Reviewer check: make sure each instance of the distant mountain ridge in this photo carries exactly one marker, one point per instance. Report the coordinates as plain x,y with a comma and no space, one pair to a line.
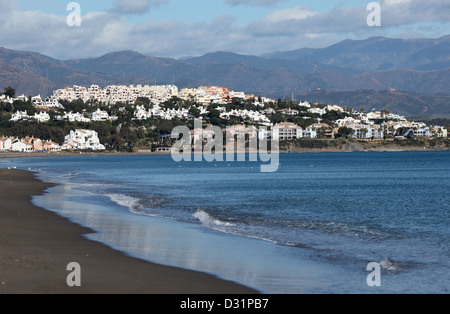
404,103
378,64
378,53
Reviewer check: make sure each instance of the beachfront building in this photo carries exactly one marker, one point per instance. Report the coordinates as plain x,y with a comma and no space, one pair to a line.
309,133
323,129
22,145
82,140
422,132
28,145
50,146
286,131
366,131
5,143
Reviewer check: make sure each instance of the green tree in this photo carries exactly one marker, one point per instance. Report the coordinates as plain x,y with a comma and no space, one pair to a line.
345,132
9,91
194,112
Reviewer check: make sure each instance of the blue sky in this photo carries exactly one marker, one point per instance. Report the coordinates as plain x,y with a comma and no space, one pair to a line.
176,28
191,10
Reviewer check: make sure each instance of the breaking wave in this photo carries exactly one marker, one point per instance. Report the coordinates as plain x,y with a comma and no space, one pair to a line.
208,221
390,265
129,202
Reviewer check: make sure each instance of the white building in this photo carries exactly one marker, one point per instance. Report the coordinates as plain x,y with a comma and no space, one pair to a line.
100,115
309,133
335,108
320,111
49,103
117,93
19,115
41,117
305,104
73,117
21,146
286,131
23,115
346,121
422,132
5,143
366,131
82,139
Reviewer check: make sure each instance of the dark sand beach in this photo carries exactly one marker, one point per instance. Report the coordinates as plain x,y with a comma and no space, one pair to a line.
37,245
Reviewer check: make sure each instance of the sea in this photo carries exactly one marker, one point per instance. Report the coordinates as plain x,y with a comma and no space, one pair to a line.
325,223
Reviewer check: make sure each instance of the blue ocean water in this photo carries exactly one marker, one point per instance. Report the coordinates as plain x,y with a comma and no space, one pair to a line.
314,225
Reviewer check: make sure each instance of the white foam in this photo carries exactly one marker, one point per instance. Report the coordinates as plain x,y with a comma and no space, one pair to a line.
389,265
208,221
129,202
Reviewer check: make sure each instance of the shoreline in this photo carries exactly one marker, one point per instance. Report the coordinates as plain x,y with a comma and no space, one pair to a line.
5,155
36,246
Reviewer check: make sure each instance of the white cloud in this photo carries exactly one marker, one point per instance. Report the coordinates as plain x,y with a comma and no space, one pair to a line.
135,6
254,2
297,27
394,2
296,13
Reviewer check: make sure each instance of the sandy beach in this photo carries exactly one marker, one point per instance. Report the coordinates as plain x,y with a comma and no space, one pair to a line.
37,245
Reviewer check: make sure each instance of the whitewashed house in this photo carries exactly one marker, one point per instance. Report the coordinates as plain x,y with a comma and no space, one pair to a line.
5,143
335,108
100,115
305,104
309,133
41,117
82,139
19,115
73,117
21,146
51,102
422,132
320,111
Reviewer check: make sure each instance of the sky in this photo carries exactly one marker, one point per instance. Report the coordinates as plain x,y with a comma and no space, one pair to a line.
179,28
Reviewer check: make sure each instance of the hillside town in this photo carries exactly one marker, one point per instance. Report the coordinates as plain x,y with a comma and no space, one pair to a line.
238,112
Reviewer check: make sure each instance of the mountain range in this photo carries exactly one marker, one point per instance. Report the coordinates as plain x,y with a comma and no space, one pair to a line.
415,67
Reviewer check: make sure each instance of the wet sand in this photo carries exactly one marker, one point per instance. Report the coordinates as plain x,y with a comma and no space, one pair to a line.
37,245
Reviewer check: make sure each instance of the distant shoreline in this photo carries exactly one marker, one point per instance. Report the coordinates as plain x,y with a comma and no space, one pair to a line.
349,147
